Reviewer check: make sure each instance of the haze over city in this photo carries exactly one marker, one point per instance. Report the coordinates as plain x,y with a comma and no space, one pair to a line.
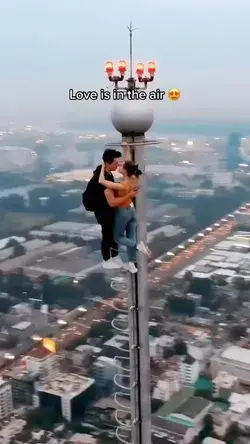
199,47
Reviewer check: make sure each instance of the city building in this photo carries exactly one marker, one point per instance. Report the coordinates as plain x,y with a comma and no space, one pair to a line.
83,355
22,309
9,430
228,259
201,350
222,420
242,219
74,229
17,159
159,346
209,440
224,384
182,416
6,402
104,370
234,156
234,360
83,438
168,384
223,179
116,346
166,230
189,370
67,393
240,410
43,363
23,384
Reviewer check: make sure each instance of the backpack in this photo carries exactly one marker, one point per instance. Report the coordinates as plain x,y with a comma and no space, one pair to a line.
88,196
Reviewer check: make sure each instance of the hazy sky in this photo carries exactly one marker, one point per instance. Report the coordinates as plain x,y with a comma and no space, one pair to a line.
201,47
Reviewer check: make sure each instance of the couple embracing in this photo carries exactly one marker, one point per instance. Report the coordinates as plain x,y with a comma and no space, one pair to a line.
112,204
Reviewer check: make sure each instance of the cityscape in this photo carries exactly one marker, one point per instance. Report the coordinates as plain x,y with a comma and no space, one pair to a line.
99,348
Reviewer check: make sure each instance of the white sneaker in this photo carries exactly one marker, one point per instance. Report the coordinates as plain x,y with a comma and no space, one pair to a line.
143,249
118,260
111,264
132,268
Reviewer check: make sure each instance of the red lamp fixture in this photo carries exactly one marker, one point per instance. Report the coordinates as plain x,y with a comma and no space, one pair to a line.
140,72
122,67
109,68
140,69
151,69
131,82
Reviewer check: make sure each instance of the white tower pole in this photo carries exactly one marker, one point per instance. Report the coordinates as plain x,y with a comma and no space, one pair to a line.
142,282
132,119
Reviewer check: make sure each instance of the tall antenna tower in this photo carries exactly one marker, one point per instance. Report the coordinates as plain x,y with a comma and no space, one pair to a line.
132,119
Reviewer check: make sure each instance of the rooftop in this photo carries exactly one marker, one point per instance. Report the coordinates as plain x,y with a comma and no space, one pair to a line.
192,407
12,427
20,373
40,352
67,384
236,353
176,401
209,440
229,258
117,341
189,360
168,426
4,242
22,325
60,259
74,228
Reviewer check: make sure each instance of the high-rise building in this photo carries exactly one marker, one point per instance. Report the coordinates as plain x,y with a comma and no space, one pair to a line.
43,363
6,404
234,156
189,369
68,394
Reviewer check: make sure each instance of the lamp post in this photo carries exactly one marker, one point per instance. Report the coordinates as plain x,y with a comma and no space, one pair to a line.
132,118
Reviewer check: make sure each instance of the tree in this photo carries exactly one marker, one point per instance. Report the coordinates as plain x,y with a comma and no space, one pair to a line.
237,331
232,434
208,426
156,404
180,347
43,418
18,250
47,288
8,341
14,203
54,238
188,276
96,285
239,283
78,241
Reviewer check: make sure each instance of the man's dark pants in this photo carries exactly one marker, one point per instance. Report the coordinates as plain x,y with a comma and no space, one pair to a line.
108,246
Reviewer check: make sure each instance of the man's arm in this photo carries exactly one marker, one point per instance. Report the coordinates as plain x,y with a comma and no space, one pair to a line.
116,201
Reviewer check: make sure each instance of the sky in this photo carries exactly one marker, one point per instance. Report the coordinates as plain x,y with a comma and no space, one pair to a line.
200,47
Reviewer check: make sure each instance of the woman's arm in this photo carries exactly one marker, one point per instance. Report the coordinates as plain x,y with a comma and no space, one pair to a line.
116,201
108,184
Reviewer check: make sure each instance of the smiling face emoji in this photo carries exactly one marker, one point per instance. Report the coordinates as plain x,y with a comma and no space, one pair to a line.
174,94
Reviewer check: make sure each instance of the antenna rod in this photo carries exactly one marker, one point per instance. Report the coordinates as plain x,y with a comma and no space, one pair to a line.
131,30
131,49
